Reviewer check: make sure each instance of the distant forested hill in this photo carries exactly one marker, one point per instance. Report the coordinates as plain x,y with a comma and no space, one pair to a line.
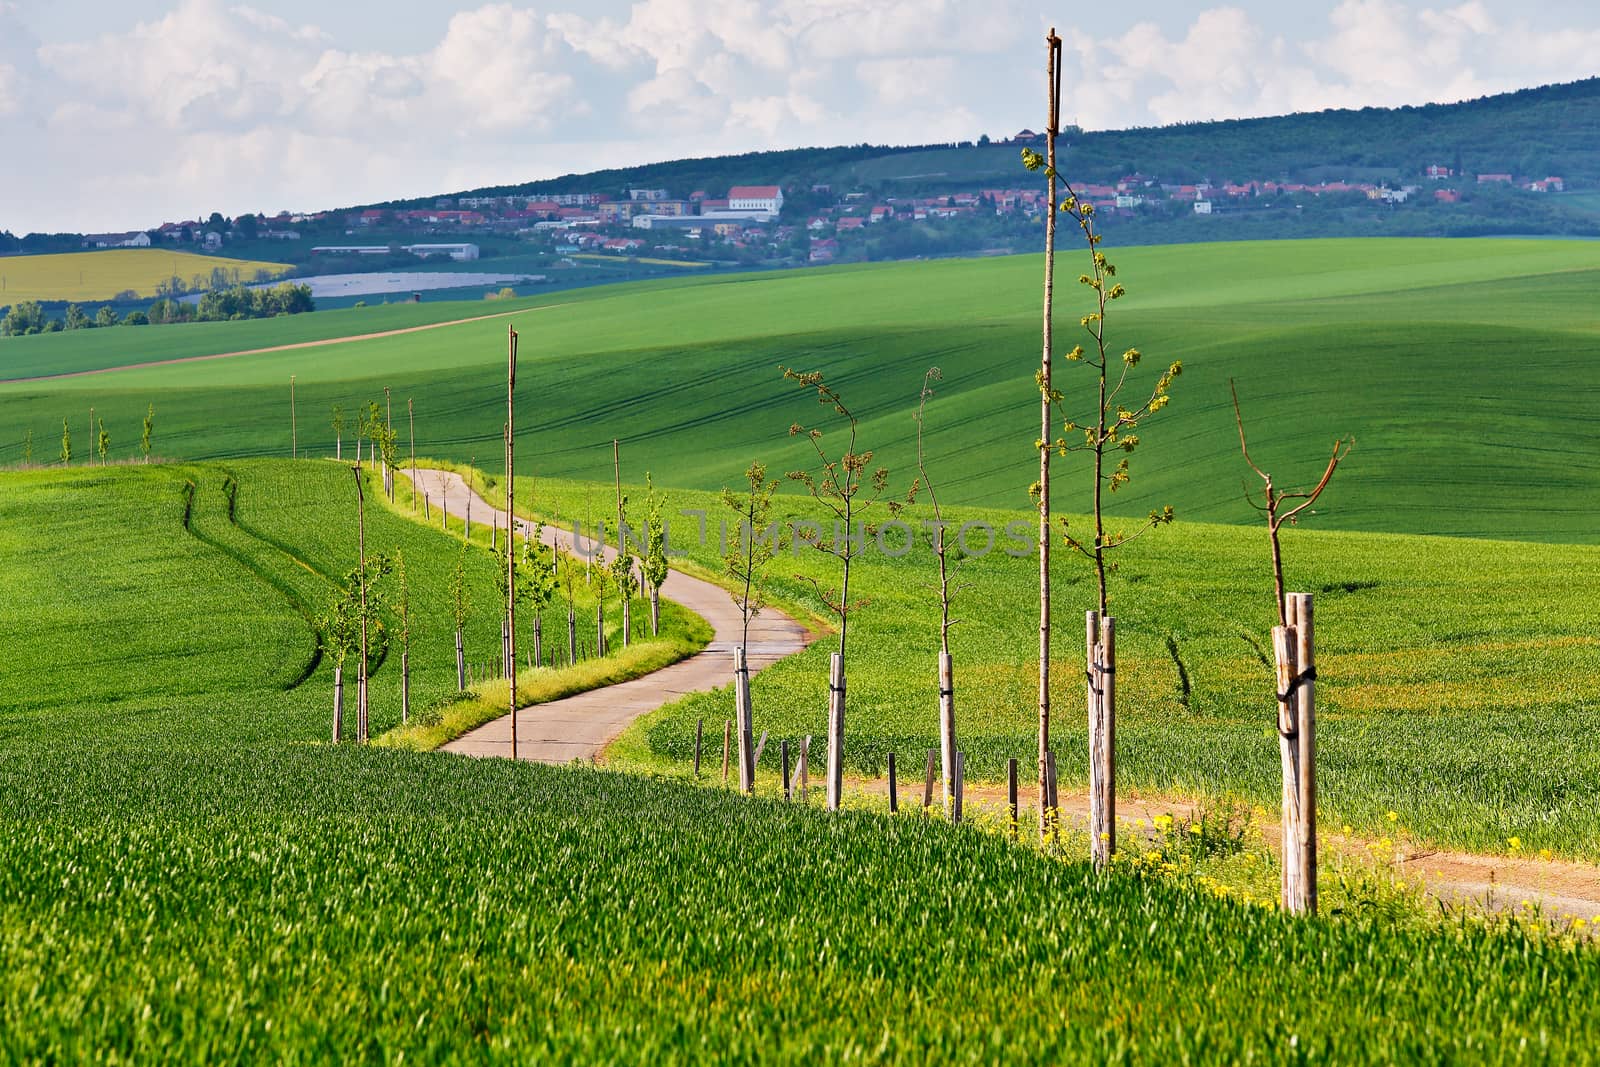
1551,130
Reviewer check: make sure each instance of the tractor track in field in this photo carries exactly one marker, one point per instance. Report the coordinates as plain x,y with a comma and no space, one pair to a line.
276,348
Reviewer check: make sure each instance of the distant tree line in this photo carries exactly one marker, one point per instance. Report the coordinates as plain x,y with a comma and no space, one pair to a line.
215,305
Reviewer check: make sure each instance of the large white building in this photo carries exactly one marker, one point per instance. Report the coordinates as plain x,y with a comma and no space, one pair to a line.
763,199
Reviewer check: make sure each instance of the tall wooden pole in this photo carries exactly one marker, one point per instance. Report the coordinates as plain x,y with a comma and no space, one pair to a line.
361,547
1053,129
411,416
511,555
294,436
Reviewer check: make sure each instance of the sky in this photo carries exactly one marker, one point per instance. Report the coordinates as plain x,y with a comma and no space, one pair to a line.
121,114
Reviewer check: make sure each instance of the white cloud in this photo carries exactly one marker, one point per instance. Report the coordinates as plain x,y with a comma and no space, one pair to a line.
209,104
1371,53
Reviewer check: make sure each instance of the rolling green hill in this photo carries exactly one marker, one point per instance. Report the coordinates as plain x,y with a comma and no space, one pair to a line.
187,873
1464,369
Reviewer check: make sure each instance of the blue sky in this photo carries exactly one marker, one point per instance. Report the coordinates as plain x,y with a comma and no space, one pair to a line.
129,113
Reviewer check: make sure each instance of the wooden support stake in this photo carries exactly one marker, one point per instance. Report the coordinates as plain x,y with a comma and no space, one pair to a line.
1102,688
894,792
338,704
783,747
835,731
947,728
461,663
1011,793
1052,798
699,733
960,786
727,738
805,769
761,747
1294,650
741,711
927,782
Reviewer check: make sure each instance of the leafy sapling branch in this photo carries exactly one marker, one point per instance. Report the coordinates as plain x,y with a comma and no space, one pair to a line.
1113,427
754,544
1273,499
843,485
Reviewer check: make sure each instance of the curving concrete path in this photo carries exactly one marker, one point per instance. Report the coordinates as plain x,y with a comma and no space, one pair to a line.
581,726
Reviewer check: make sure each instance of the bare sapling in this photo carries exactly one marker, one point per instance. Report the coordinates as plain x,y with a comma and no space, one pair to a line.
338,424
402,611
536,584
948,570
411,417
103,442
654,564
1111,430
601,580
745,561
841,484
338,634
294,436
66,444
27,448
1294,650
149,431
567,578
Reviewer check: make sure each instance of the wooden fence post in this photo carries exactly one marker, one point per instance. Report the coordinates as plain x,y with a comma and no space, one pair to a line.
1295,653
835,731
1102,689
1011,793
927,781
572,638
699,733
894,794
783,747
947,727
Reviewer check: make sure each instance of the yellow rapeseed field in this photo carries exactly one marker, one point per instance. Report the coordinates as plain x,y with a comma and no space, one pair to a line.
89,276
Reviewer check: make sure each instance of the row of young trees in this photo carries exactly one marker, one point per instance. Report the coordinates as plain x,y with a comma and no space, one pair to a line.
846,484
102,440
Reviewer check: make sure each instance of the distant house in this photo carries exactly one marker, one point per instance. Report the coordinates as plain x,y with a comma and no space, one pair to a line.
1027,137
1486,179
855,222
135,239
1202,207
823,250
766,199
1548,185
647,195
1447,196
1439,172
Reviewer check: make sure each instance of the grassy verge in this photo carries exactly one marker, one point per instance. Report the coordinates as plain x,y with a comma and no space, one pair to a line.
682,635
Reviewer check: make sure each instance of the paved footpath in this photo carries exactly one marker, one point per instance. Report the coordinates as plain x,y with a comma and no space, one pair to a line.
581,726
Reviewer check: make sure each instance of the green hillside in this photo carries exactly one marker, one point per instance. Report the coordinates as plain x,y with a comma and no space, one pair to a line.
1462,368
188,873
